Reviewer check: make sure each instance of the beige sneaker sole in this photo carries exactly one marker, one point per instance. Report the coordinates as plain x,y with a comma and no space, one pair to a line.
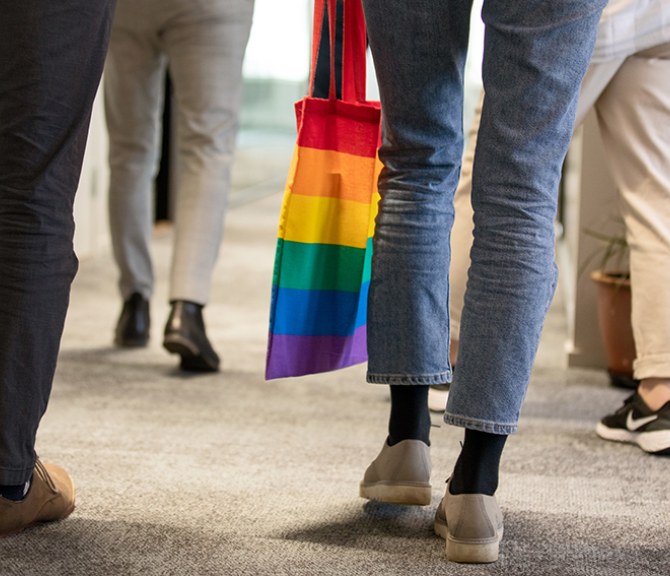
397,494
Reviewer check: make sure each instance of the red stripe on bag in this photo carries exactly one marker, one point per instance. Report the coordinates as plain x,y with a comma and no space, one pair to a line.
340,126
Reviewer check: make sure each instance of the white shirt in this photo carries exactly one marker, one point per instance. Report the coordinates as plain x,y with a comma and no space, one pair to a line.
628,26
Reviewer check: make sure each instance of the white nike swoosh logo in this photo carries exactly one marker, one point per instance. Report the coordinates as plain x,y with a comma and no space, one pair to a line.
634,423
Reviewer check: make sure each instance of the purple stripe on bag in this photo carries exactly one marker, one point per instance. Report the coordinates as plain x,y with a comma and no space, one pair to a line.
300,355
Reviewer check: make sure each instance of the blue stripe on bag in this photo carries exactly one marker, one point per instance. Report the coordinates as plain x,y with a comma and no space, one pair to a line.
319,312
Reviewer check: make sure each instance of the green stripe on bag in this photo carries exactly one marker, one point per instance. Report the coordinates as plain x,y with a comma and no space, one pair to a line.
322,266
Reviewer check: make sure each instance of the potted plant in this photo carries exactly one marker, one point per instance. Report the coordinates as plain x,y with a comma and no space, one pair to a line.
612,279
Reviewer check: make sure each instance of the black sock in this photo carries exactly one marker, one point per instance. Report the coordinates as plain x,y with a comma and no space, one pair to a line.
477,467
410,418
15,493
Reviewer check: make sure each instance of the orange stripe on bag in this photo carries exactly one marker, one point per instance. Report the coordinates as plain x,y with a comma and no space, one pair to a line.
335,175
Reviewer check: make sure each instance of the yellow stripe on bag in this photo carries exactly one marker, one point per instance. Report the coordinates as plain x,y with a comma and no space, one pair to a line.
335,175
318,220
374,208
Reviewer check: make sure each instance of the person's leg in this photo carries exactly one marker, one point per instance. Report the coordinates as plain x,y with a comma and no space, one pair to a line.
419,78
634,115
596,79
526,124
530,116
420,81
527,121
205,47
133,87
51,60
205,44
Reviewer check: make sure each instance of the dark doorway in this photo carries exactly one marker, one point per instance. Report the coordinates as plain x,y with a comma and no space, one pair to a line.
162,182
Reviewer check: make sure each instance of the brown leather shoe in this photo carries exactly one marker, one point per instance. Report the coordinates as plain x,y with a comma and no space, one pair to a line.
50,498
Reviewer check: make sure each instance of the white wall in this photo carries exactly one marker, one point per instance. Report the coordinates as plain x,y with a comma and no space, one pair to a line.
279,44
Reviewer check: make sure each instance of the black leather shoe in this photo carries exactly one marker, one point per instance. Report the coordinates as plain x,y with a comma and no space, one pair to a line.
185,335
132,329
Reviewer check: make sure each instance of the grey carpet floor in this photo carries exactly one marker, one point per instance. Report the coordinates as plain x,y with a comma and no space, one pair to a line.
227,474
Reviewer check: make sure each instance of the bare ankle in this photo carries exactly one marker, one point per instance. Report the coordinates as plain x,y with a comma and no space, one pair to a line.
655,392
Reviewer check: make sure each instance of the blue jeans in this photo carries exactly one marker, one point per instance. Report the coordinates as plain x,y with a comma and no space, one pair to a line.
51,59
535,55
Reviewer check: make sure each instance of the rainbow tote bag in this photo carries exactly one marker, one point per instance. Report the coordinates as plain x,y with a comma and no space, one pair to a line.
324,247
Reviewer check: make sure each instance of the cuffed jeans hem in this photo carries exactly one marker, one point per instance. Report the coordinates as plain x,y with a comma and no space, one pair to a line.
410,379
480,425
657,366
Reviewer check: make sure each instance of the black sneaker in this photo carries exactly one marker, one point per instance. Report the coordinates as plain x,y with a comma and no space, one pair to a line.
635,423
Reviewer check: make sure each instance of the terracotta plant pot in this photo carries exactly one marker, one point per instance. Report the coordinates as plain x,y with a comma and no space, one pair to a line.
614,305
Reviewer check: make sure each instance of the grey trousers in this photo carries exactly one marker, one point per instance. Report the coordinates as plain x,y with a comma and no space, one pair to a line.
51,58
202,42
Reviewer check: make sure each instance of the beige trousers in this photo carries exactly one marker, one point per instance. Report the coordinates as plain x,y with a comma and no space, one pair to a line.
631,97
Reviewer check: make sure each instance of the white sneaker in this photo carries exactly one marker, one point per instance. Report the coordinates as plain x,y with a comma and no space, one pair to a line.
437,397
